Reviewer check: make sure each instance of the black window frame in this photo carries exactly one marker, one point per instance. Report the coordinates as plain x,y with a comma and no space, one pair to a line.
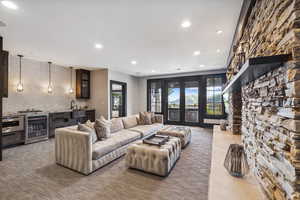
224,115
124,97
202,97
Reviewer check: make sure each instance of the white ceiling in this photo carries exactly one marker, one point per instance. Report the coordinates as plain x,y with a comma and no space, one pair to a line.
148,31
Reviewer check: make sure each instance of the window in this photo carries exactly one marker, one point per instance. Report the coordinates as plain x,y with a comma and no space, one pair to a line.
214,104
155,97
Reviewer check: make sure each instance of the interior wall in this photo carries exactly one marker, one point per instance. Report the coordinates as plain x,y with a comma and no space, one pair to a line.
35,81
142,83
99,92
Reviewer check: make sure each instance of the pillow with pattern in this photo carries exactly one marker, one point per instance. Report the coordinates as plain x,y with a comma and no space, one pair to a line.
102,127
145,118
85,128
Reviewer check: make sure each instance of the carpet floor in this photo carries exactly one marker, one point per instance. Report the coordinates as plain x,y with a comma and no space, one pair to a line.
30,172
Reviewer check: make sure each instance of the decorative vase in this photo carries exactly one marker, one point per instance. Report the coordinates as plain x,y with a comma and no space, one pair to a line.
236,161
223,125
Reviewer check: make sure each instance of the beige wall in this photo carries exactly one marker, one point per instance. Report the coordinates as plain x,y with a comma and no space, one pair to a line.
35,80
99,92
142,82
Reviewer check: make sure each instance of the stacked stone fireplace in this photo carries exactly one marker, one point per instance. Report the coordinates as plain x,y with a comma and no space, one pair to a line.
267,110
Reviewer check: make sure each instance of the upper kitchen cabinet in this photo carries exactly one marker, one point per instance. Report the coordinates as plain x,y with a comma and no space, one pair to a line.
82,84
4,70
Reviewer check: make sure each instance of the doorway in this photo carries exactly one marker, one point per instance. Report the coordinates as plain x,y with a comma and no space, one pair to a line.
183,102
118,104
191,100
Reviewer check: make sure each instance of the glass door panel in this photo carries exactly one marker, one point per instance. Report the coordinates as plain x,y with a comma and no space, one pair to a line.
191,93
118,99
214,101
156,97
173,101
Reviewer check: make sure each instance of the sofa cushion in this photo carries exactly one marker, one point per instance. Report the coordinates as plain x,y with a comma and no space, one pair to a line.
116,140
130,122
91,131
145,118
146,130
102,127
116,125
126,136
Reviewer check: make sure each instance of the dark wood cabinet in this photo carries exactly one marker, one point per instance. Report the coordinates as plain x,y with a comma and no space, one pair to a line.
82,84
91,115
4,70
64,119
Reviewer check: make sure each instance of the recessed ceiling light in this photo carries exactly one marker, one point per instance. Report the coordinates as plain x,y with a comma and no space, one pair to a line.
186,24
10,5
134,62
218,50
219,32
178,68
196,53
153,71
202,66
98,46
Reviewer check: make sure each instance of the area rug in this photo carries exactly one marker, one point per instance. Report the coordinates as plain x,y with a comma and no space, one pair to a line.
30,172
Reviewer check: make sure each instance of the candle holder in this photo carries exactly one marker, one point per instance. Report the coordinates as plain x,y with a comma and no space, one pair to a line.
236,161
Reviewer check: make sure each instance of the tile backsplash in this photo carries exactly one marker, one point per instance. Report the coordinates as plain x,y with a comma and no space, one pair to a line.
35,80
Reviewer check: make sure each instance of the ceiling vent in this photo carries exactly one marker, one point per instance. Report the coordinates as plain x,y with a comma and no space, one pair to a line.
2,24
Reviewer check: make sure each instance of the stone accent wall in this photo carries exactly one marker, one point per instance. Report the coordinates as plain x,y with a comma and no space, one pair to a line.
272,28
235,107
271,130
271,104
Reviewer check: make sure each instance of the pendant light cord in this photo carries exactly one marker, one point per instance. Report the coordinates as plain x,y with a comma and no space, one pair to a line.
20,68
49,73
71,77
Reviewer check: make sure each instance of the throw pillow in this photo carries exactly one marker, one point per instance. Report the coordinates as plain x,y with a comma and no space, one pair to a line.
153,118
89,124
141,118
85,128
148,118
130,122
116,125
102,127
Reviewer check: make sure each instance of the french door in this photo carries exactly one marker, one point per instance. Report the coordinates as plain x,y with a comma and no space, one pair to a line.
183,101
192,100
118,91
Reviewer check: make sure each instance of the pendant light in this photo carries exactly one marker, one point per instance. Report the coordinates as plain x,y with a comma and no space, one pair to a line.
50,88
20,87
71,91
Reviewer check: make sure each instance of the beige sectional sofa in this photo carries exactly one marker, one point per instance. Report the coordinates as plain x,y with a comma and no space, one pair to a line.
74,149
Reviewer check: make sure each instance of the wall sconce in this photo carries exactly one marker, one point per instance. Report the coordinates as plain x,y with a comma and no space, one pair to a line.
20,87
71,90
50,88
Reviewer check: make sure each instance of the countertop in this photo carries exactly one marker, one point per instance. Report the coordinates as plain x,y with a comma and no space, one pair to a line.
47,111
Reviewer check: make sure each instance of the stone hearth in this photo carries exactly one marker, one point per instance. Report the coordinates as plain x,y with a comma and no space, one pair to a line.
269,107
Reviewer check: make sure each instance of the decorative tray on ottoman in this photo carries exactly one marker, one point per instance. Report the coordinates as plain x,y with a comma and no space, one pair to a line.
157,140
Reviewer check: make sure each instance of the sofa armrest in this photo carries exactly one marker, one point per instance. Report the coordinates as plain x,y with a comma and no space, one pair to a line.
159,118
73,149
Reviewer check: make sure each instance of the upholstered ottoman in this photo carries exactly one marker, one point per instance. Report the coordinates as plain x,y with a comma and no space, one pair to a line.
184,133
154,159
